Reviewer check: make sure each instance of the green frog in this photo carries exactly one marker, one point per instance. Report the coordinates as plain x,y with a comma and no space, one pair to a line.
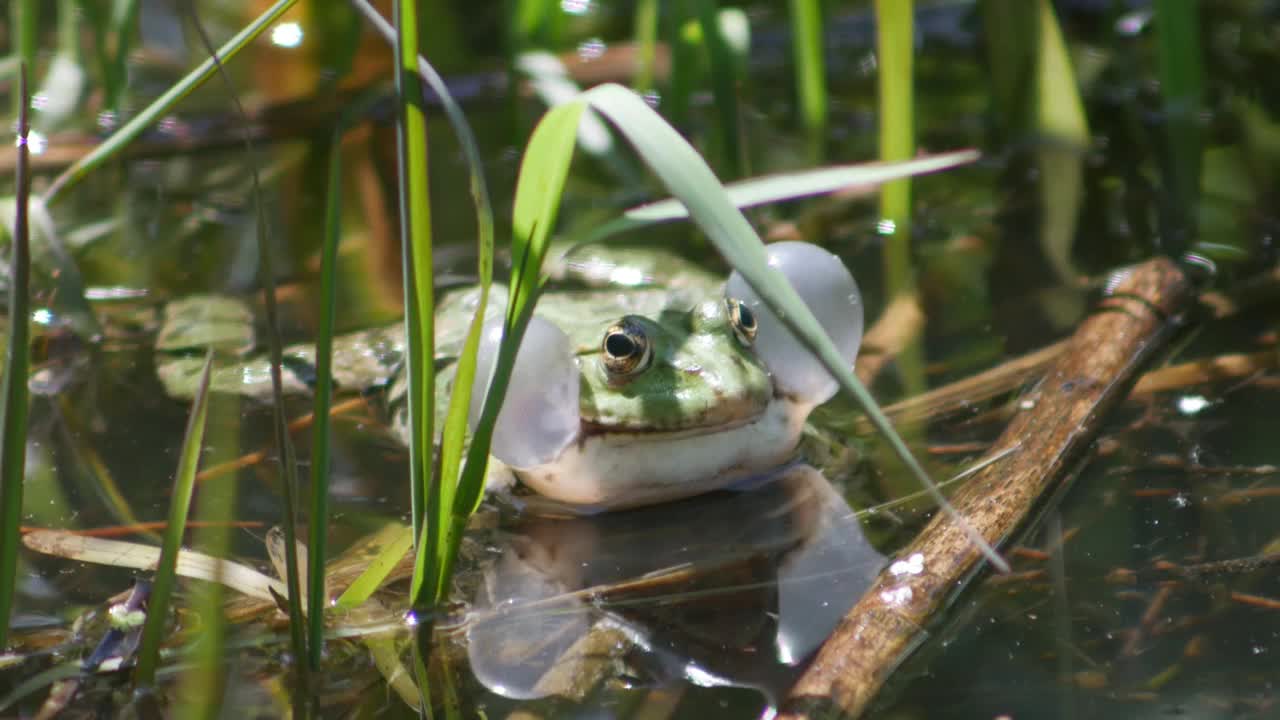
672,388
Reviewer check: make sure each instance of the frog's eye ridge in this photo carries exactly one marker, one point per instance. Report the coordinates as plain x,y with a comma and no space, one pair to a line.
625,349
742,320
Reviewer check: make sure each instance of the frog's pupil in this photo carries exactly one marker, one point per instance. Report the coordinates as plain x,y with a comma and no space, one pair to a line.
619,345
745,317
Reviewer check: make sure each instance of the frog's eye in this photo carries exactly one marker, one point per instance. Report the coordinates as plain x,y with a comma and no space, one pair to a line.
830,292
742,320
625,349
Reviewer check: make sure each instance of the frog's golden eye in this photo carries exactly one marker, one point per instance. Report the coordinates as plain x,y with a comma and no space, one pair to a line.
625,349
742,320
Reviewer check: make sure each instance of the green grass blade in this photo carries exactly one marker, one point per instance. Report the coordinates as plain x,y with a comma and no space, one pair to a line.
317,543
687,177
415,230
368,582
895,48
163,104
454,433
13,418
811,72
540,183
785,186
895,37
184,483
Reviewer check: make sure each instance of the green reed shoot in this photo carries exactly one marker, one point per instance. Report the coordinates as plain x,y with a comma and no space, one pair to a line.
419,300
184,483
13,415
811,73
895,48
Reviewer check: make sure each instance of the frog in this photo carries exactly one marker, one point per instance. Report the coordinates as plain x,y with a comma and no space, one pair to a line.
674,395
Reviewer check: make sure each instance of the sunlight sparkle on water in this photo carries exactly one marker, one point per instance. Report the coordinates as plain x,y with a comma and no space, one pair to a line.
1192,404
287,35
591,49
36,143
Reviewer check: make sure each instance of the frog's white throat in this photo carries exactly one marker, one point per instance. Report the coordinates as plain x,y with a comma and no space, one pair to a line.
609,471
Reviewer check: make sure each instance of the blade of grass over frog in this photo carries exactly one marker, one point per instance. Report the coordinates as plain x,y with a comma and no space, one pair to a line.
415,231
723,81
13,415
453,436
687,176
267,280
811,72
184,482
163,104
398,542
539,185
785,186
1182,84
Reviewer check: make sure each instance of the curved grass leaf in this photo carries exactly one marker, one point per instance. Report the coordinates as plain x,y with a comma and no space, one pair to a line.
785,186
184,483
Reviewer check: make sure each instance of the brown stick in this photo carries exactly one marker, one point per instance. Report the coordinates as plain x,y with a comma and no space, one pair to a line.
1058,420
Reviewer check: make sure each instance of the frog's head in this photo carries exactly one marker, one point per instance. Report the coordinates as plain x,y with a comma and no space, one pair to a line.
682,371
677,404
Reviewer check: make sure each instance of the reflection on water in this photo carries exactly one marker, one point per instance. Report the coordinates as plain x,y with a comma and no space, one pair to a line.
730,589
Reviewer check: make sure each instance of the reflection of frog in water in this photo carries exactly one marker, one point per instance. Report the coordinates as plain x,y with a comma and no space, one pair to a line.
733,589
661,393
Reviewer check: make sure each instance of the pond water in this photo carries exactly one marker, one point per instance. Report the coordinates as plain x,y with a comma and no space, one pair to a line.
1145,588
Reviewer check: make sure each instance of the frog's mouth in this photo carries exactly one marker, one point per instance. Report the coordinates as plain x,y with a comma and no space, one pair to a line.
611,468
591,429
